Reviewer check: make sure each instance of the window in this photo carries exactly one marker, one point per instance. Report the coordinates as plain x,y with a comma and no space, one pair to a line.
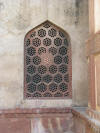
47,63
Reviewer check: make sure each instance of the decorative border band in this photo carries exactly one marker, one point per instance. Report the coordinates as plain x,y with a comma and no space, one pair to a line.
35,112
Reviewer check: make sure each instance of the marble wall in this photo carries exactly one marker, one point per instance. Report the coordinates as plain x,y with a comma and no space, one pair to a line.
17,17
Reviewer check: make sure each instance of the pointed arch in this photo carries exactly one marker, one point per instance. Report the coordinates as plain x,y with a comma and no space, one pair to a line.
47,63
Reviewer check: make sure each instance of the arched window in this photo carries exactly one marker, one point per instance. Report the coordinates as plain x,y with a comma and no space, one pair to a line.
47,63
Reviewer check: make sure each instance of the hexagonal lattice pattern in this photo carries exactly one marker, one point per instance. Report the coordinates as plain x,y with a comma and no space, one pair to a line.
47,62
36,60
47,94
46,25
33,34
47,78
63,87
36,78
58,94
53,50
66,78
63,50
28,78
47,41
58,59
42,87
37,94
36,42
42,69
61,34
28,95
31,87
31,69
66,59
53,87
58,78
27,42
58,42
52,32
42,33
53,69
31,51
28,60
66,42
63,68
66,94
41,50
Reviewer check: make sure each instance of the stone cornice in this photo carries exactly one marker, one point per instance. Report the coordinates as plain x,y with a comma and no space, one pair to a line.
34,112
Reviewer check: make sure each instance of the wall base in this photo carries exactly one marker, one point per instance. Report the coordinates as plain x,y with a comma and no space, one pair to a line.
36,121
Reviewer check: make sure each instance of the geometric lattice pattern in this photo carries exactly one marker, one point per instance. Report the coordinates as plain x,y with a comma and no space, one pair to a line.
47,63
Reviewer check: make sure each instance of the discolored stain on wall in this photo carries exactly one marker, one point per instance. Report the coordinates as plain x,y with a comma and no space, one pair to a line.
23,18
1,6
77,12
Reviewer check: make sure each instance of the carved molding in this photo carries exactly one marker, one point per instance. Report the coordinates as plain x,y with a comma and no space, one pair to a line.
34,112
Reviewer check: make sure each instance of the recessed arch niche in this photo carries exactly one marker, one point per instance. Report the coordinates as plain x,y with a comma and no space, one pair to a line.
47,63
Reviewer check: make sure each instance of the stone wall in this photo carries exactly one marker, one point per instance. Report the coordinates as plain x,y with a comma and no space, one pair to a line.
36,120
17,18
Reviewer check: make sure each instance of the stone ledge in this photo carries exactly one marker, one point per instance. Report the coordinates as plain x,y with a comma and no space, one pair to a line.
35,112
82,114
93,114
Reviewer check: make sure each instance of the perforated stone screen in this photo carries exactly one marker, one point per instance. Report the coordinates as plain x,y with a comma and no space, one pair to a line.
47,64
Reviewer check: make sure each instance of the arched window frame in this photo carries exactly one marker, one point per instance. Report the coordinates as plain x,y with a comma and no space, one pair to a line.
70,64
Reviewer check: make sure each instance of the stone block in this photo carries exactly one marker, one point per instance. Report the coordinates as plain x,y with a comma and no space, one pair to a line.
15,125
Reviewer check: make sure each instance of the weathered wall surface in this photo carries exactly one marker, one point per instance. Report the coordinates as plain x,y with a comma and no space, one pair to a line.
17,17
